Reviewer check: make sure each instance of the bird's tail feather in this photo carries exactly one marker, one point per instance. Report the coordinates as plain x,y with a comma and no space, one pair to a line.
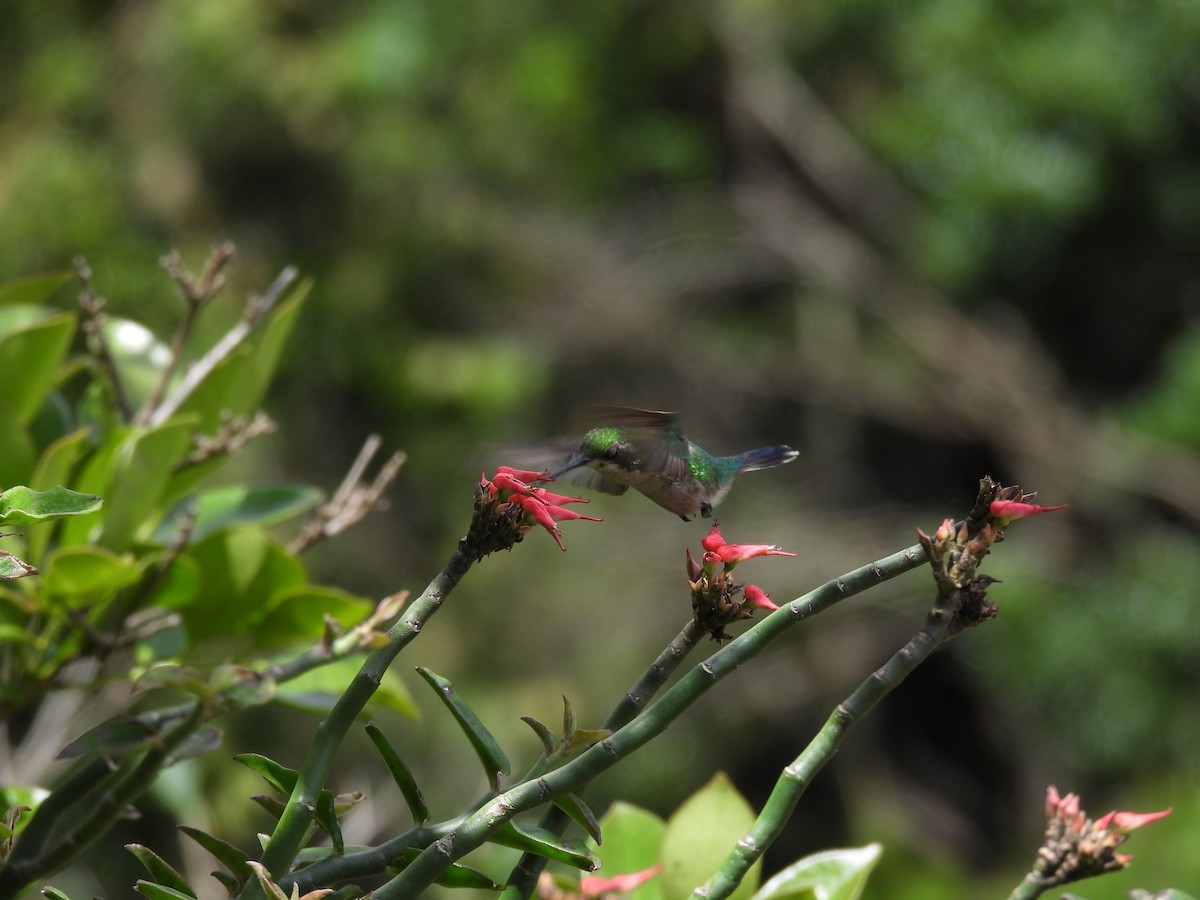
767,457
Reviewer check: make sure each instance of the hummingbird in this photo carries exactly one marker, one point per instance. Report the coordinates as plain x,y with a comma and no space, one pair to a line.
646,450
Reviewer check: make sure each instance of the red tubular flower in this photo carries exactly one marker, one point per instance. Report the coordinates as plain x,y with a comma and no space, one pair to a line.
596,886
1005,511
713,540
732,554
1127,821
518,492
756,596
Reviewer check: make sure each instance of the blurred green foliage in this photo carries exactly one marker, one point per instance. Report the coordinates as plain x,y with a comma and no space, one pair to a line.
968,244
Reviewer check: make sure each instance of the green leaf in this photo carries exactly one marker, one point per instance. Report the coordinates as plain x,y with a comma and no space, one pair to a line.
203,741
298,615
17,450
457,875
12,567
241,569
88,571
318,689
271,338
579,812
240,687
400,774
175,587
701,834
493,759
141,468
35,290
159,892
30,358
829,875
54,468
124,734
228,855
545,735
546,844
160,870
632,838
237,504
54,893
21,505
278,776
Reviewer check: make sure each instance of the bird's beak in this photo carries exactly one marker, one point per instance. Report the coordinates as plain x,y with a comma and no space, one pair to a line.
575,463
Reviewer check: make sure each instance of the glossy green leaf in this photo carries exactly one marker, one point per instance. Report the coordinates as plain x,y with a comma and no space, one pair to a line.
12,567
326,817
318,689
160,870
457,875
88,571
401,774
237,504
829,875
21,505
141,467
701,834
54,893
30,358
546,844
491,756
228,855
241,569
298,615
177,586
632,840
35,290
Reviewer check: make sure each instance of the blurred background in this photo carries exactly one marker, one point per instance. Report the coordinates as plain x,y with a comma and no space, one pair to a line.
919,242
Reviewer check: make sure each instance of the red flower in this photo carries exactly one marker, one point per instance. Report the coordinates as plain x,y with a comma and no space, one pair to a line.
1005,511
596,886
758,597
732,554
511,489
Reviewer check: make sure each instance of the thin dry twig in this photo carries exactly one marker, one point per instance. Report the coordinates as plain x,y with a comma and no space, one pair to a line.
256,310
93,328
196,291
353,500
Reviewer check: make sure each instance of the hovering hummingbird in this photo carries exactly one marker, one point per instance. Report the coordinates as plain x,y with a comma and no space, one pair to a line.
646,450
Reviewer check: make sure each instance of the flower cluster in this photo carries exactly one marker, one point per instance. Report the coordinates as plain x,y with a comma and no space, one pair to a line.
956,550
716,599
1077,847
510,503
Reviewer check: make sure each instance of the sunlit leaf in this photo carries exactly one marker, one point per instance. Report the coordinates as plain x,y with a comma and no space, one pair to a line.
632,841
828,875
35,290
298,615
87,571
701,834
12,567
141,467
21,505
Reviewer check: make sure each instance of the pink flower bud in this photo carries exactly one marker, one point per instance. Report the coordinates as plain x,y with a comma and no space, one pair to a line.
756,596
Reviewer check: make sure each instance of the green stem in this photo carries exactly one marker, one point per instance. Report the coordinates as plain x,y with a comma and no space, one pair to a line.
1030,887
290,831
796,778
480,825
522,880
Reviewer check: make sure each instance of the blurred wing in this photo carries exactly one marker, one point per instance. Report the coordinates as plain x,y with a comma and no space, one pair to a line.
655,432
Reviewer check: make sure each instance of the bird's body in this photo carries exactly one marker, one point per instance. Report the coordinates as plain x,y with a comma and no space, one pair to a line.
645,450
